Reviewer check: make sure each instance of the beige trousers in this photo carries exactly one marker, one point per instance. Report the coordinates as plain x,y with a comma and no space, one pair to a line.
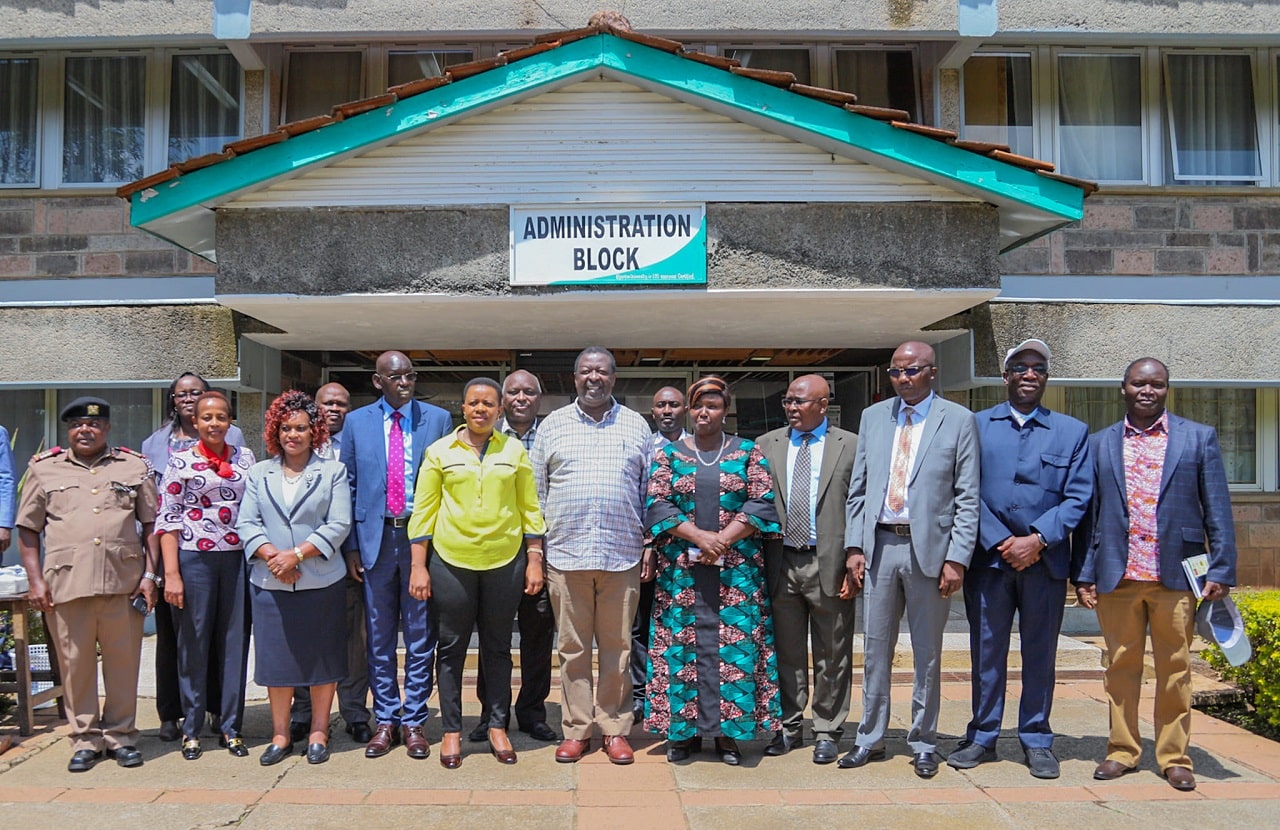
594,607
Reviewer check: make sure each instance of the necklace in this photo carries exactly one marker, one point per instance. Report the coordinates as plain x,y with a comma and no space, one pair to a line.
713,461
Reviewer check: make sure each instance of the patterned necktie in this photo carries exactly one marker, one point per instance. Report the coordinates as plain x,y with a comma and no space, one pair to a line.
901,456
395,467
797,535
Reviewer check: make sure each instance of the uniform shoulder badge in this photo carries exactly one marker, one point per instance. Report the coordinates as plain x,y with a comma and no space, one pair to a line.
47,454
128,451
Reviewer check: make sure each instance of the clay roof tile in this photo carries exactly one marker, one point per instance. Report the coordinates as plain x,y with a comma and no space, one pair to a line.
465,70
922,129
306,125
665,44
248,145
410,88
124,191
1022,161
831,96
718,61
878,113
768,76
353,108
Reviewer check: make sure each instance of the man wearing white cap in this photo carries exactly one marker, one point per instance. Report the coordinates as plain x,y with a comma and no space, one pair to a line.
1160,498
1036,485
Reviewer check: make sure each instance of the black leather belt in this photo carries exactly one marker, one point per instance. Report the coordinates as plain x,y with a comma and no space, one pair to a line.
896,530
805,549
396,521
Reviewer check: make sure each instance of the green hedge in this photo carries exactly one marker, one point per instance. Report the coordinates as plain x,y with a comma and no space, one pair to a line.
1259,678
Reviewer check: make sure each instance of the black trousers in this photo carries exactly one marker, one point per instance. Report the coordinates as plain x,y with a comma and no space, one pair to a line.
640,640
463,600
213,627
168,698
537,625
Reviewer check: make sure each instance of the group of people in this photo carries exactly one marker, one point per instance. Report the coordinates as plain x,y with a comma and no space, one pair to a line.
688,579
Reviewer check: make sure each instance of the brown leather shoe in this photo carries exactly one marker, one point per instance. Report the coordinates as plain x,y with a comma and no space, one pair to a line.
1180,778
618,750
416,742
571,749
384,737
1110,770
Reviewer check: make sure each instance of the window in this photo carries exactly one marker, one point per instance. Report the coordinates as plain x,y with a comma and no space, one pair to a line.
1097,406
1213,134
985,397
204,104
795,61
1100,117
880,78
18,111
319,80
23,415
998,101
131,413
1234,413
104,118
403,67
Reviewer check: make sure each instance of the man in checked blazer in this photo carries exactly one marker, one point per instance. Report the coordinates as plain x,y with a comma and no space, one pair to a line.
808,583
911,527
1160,496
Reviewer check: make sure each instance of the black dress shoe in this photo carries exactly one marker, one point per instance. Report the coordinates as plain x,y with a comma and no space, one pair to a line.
169,731
275,753
825,752
126,756
235,746
681,750
926,764
859,756
479,734
317,753
360,732
727,749
539,732
637,711
299,731
191,748
781,744
82,760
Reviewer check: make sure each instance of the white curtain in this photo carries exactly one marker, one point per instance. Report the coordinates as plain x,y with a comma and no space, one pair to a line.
1234,412
998,101
204,104
103,130
1100,117
18,134
1212,126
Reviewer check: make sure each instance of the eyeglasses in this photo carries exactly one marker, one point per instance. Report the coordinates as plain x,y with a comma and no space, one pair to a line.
1022,368
910,371
400,378
800,401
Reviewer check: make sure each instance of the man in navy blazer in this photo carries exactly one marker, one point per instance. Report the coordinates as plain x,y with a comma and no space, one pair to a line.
1160,496
377,550
1036,485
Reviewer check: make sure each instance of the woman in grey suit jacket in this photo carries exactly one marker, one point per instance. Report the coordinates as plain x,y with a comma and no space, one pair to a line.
295,515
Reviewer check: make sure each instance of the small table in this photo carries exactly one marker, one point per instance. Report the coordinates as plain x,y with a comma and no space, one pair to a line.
18,606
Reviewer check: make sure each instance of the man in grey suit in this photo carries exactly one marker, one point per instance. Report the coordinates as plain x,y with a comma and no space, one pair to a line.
911,528
809,586
1160,497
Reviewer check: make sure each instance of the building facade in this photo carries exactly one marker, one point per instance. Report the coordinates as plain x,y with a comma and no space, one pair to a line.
344,220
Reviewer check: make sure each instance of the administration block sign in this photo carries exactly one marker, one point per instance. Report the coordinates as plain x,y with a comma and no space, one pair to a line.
654,244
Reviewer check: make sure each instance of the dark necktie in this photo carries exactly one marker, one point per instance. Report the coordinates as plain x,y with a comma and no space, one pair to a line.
395,467
797,534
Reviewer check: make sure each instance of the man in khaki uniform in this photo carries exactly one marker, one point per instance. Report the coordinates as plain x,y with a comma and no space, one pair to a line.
88,502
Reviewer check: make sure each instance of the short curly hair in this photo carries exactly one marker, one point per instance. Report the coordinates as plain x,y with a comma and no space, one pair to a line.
282,408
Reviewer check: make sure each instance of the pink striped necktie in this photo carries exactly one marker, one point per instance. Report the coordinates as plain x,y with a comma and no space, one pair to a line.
395,467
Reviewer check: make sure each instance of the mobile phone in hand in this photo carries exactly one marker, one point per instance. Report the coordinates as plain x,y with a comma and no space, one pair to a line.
139,604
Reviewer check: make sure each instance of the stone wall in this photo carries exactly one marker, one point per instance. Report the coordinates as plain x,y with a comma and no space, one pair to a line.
83,236
1257,517
1160,234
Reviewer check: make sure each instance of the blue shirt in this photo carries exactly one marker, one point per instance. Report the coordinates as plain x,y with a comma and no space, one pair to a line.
406,427
8,485
816,446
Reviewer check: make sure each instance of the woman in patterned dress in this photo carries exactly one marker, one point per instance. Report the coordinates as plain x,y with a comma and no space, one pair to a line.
712,669
204,571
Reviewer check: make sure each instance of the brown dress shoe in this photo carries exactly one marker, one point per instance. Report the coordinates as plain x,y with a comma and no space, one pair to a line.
571,749
618,750
1180,778
1110,770
384,737
416,742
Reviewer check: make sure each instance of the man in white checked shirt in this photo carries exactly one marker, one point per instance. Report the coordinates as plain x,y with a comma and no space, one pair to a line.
589,463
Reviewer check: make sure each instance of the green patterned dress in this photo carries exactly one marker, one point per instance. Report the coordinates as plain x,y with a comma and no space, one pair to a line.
712,668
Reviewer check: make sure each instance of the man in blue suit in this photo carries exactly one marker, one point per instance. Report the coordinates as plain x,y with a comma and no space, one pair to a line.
1036,485
1160,496
382,446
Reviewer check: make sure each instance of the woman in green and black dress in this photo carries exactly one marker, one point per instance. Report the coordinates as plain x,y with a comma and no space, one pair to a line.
712,669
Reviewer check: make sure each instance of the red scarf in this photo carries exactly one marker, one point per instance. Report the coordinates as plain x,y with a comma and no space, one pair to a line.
219,464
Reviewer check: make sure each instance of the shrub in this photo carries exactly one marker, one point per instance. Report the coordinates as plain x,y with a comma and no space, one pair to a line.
1259,678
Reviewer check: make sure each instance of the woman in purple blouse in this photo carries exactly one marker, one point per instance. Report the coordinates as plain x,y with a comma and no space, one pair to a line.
205,571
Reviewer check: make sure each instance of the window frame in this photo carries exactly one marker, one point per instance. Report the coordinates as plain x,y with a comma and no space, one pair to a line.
1146,128
1037,120
1169,138
168,57
287,67
40,92
921,116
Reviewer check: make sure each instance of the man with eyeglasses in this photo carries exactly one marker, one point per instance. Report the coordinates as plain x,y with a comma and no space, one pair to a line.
810,462
382,446
911,527
1036,485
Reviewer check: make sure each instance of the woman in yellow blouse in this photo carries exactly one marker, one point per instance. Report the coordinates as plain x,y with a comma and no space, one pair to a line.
477,543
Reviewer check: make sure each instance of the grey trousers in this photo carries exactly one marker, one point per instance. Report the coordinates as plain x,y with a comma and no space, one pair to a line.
894,583
805,617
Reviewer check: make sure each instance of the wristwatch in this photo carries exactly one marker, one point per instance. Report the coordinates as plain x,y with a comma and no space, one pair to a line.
1040,536
156,578
297,551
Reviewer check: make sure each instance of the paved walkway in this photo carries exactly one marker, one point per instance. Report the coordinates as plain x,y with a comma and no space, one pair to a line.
1239,778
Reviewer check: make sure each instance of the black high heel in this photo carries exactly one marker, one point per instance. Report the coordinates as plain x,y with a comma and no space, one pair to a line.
727,749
